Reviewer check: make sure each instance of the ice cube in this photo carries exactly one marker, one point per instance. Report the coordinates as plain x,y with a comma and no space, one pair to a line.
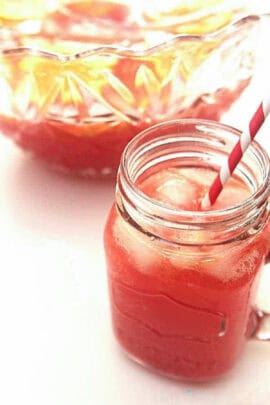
233,193
185,259
220,265
179,187
143,251
199,175
233,262
215,261
178,193
150,185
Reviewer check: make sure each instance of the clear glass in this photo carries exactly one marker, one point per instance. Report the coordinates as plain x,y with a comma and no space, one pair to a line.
183,283
79,80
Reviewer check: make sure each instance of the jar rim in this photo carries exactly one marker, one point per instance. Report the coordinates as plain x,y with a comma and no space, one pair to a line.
255,199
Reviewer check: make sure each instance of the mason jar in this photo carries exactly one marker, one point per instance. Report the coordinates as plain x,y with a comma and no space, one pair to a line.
183,280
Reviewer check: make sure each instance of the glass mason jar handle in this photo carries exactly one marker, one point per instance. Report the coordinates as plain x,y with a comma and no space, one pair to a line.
261,330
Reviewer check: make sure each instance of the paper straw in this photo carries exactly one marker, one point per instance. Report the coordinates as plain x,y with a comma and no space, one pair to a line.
236,154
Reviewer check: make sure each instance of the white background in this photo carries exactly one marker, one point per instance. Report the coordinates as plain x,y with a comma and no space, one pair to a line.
56,343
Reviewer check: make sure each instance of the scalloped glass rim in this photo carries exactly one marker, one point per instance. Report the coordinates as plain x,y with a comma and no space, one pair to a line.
230,28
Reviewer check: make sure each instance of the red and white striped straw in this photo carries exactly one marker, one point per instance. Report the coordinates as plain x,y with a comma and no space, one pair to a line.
236,154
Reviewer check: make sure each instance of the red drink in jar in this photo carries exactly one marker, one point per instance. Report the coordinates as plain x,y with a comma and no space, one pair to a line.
182,280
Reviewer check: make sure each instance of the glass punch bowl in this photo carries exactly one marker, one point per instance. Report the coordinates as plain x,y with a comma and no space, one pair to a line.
79,79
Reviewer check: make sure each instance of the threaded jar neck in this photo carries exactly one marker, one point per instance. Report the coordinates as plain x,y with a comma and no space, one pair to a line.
191,143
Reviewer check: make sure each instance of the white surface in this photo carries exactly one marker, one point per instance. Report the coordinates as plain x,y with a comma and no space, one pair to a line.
56,343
